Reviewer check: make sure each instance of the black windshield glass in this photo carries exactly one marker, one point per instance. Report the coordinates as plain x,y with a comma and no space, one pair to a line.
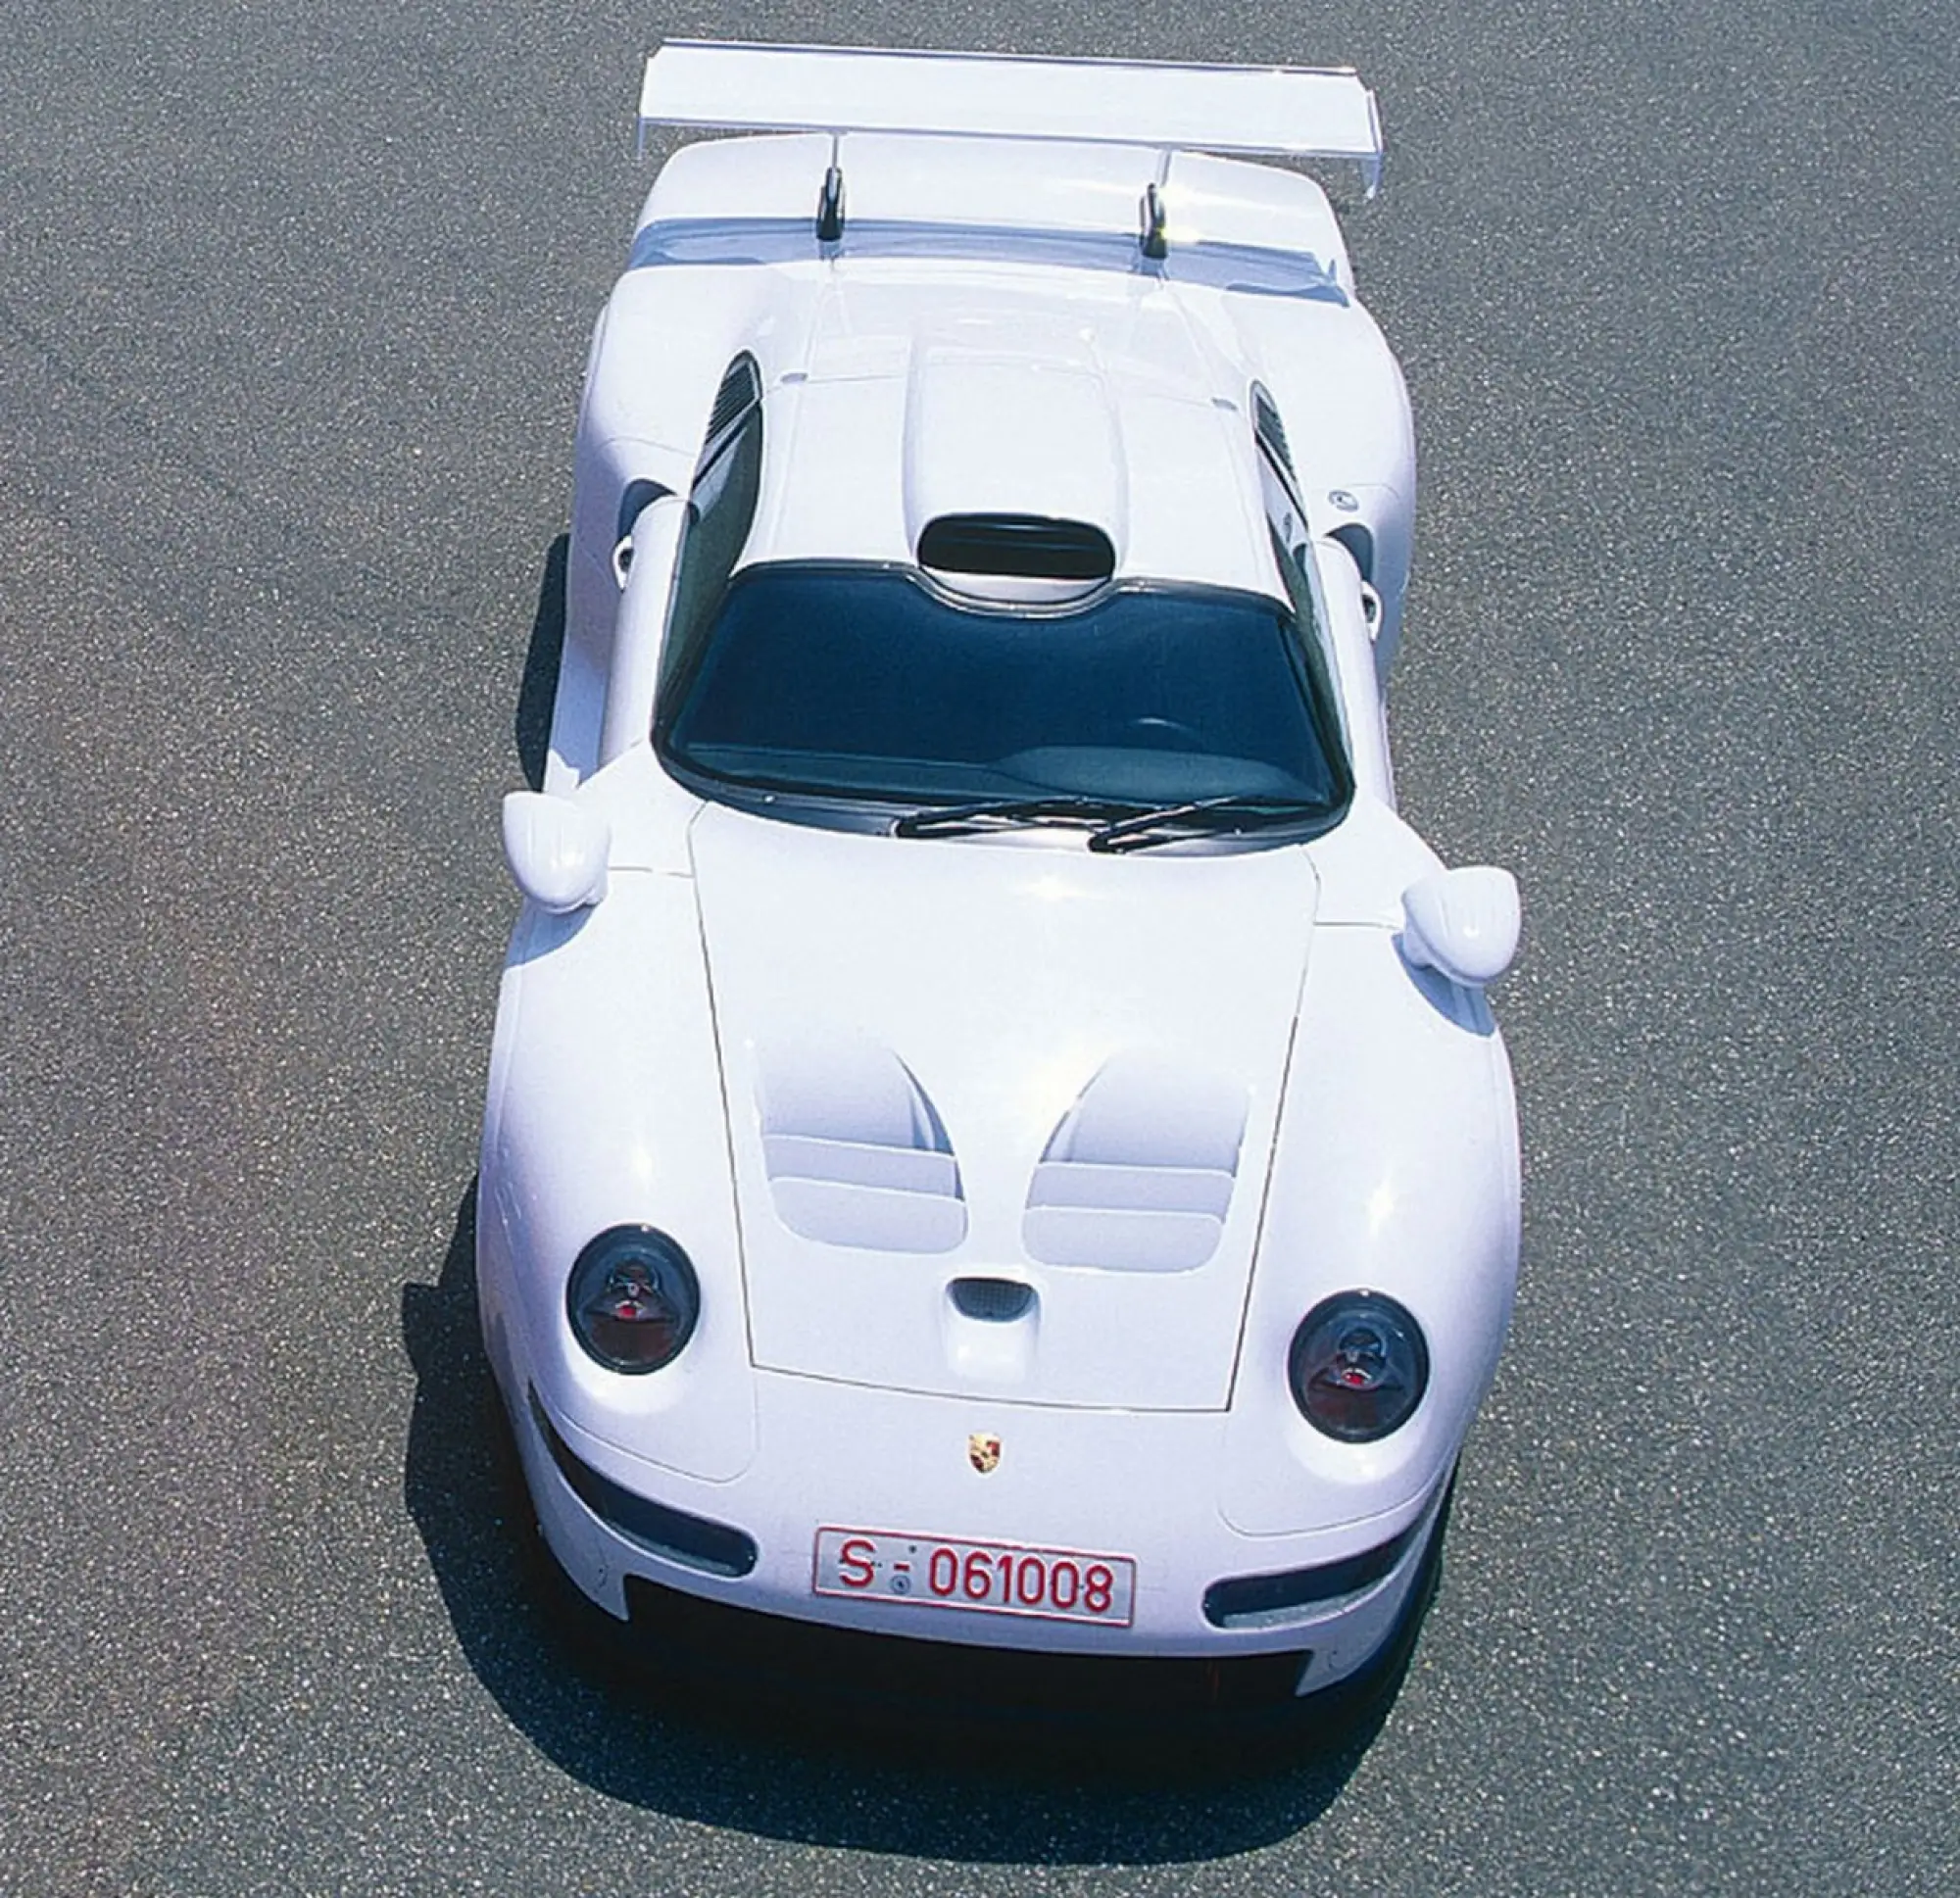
861,682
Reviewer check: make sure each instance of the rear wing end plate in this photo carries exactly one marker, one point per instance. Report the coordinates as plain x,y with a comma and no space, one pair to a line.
1239,111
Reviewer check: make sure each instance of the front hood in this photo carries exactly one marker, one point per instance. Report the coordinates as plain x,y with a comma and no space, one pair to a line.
951,1063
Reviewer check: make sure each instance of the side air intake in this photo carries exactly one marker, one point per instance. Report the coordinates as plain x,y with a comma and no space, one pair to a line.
739,390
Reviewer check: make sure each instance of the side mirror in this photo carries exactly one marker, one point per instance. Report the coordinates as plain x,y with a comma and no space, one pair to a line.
556,849
1462,923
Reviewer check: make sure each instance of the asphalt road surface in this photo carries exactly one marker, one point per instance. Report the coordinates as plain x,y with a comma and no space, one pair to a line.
292,315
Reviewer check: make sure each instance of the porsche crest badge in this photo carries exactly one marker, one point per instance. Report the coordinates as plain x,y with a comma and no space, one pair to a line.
983,1451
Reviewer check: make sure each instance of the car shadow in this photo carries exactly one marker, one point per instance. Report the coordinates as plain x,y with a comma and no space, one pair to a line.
698,1755
539,690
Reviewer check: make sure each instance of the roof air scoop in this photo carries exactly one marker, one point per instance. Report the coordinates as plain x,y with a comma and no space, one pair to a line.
1016,490
1070,556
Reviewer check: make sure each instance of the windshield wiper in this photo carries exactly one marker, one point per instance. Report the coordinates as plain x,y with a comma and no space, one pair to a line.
1143,829
948,820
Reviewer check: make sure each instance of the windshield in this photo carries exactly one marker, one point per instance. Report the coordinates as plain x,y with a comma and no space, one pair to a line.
865,683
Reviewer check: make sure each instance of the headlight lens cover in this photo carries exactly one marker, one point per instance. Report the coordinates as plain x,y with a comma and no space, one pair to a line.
1359,1366
632,1299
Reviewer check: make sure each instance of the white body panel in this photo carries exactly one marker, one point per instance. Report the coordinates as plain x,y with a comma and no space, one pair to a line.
1179,1096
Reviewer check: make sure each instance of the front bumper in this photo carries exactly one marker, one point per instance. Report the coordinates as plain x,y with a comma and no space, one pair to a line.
1326,1604
1132,1704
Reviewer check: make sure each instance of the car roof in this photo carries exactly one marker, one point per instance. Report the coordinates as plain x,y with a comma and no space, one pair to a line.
985,339
934,390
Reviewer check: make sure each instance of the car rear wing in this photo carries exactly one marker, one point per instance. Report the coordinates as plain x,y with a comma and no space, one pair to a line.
1242,111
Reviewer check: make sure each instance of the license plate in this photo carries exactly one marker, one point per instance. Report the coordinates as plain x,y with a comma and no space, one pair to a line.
982,1577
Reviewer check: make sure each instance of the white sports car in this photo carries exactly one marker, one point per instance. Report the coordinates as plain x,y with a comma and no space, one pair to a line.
995,1139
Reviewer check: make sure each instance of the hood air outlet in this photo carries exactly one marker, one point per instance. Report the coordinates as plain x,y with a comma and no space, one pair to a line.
854,1153
1138,1175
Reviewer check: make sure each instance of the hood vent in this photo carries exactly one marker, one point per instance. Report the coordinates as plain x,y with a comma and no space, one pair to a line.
1138,1175
854,1153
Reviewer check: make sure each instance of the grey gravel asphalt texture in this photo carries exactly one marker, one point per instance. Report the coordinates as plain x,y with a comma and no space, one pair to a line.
294,307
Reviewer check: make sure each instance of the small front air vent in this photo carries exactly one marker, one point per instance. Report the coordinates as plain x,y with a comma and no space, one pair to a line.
994,1302
1299,1595
1025,546
691,1540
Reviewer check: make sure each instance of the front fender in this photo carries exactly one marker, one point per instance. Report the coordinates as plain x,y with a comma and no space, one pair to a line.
1395,1170
606,1108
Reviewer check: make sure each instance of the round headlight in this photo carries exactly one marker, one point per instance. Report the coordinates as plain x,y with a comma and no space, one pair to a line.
1359,1366
632,1299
